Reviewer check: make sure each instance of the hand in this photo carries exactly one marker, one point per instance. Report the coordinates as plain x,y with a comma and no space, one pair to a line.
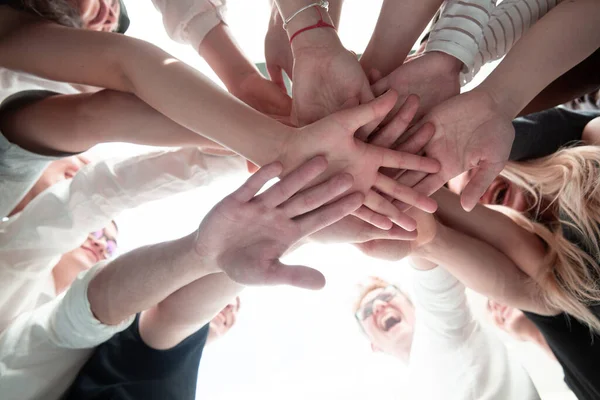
351,229
328,79
334,138
263,95
470,133
278,52
394,250
245,234
433,76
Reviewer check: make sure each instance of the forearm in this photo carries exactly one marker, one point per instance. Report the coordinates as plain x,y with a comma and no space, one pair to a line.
187,310
225,57
563,38
166,84
482,268
524,248
143,278
508,23
399,25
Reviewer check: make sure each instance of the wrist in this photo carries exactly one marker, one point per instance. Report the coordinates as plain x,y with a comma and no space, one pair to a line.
446,61
318,38
199,255
501,100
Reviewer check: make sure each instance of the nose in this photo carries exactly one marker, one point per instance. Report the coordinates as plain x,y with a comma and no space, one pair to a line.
378,306
99,245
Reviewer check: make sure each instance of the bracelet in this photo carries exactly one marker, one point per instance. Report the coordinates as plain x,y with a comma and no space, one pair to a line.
319,24
321,3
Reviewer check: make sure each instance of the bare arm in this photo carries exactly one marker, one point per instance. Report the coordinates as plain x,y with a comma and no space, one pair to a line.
559,41
399,25
75,123
484,269
122,63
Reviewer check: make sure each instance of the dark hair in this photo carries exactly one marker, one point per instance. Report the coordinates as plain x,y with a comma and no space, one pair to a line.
62,12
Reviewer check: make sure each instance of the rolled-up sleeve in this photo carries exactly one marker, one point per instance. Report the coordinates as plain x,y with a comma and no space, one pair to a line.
189,21
41,351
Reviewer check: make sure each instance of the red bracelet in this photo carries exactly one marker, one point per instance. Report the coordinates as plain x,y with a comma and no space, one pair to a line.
319,24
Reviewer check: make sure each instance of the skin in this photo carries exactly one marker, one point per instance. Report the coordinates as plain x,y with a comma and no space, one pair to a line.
399,314
99,15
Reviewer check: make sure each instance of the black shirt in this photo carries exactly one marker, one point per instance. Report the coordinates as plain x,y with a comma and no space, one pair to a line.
541,134
576,349
125,368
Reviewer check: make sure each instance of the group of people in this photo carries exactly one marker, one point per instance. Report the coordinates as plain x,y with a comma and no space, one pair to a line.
382,152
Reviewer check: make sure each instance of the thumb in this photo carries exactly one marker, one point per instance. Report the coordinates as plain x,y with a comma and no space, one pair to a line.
295,275
276,76
479,183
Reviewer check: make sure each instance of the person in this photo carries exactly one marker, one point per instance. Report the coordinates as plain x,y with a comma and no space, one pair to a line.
68,202
42,349
173,86
517,325
449,353
473,130
127,355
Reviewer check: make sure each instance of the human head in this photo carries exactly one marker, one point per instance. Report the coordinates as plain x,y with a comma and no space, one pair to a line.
56,172
224,320
386,316
502,191
97,15
512,321
98,246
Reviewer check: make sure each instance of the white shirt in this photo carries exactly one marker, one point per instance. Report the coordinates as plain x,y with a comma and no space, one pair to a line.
452,356
39,330
477,32
189,21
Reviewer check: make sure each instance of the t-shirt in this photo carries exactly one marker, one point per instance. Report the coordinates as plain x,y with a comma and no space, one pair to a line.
576,349
542,133
574,345
125,368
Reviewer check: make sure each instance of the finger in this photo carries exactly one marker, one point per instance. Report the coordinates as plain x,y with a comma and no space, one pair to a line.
293,182
276,75
380,87
329,214
295,275
366,96
355,118
418,140
397,126
431,184
409,179
374,76
404,193
383,206
479,183
390,250
313,198
402,160
377,220
253,184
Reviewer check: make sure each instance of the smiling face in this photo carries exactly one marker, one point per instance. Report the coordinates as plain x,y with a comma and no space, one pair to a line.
99,15
501,192
388,318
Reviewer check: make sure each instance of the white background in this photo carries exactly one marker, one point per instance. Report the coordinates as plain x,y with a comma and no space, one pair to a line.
288,343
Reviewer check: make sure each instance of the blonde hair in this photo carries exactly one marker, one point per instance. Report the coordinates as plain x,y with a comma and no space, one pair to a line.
62,12
565,188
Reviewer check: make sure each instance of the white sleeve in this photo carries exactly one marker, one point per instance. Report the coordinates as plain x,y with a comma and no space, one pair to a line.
509,22
460,29
59,220
451,349
42,350
189,21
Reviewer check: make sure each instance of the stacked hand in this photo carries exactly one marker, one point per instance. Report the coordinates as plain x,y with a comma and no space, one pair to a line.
245,234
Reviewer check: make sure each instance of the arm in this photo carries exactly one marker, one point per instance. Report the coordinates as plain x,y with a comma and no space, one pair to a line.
399,25
508,23
59,219
155,77
75,123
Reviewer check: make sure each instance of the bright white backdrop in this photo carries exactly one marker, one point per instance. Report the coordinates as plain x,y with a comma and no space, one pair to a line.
288,343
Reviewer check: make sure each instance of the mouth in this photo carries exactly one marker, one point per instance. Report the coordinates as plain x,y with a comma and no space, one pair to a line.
388,321
92,253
